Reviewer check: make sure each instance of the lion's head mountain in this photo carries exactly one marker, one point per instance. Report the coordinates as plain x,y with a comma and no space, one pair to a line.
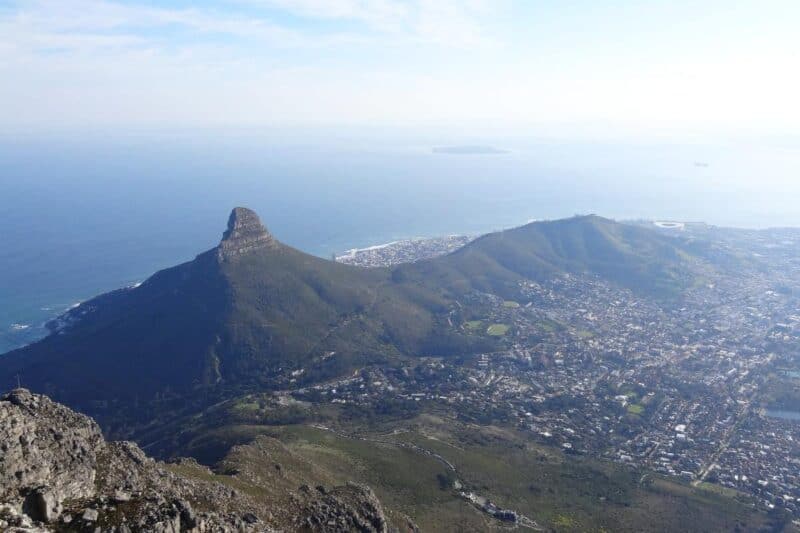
252,310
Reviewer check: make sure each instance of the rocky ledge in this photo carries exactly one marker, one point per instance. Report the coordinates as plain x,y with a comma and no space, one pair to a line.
57,473
245,233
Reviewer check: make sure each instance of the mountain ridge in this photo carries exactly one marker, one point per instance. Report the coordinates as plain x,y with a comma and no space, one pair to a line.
252,311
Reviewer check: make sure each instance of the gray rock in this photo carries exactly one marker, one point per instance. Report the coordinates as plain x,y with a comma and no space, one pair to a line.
43,505
90,515
120,496
348,508
45,444
188,517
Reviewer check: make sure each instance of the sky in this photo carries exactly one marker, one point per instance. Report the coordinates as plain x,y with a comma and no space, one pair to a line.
723,65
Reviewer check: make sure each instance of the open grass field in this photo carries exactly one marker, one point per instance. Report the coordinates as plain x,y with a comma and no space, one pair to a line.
635,409
497,330
549,326
474,325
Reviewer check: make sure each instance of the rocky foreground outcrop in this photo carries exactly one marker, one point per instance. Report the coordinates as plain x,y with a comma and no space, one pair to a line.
57,473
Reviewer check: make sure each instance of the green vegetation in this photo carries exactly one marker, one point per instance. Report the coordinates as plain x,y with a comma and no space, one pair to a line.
549,326
724,491
563,493
635,409
563,522
258,409
245,406
474,325
635,257
497,330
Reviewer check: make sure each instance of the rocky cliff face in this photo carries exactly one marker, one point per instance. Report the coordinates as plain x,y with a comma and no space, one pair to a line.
245,233
57,473
49,454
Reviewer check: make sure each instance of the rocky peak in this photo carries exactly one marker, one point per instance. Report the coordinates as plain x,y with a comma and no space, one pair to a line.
245,233
20,397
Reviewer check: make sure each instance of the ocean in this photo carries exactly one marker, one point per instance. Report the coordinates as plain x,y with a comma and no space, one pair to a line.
86,213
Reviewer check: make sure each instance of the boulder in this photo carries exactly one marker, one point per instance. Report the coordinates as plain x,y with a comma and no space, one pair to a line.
43,505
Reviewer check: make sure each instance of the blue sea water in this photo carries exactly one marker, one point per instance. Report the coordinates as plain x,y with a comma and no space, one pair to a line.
86,213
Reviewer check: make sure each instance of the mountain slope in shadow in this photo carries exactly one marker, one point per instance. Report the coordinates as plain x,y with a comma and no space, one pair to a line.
246,314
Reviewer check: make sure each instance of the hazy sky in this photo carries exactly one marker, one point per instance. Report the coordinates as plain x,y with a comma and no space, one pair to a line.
724,64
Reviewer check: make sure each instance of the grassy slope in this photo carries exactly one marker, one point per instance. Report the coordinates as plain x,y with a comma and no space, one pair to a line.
132,342
291,307
634,257
562,493
236,324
